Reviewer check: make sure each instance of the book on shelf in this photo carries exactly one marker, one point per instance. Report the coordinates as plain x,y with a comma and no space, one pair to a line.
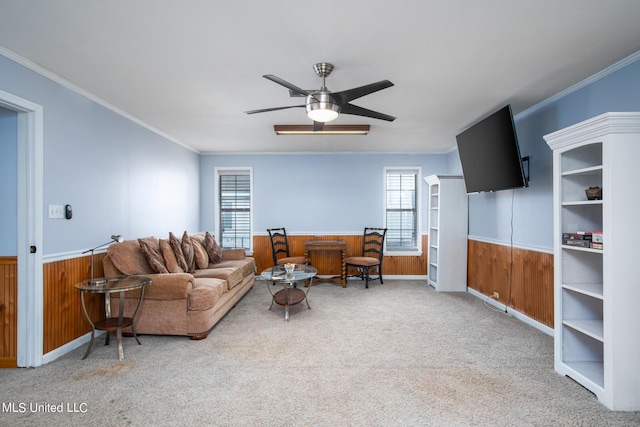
596,245
576,242
580,235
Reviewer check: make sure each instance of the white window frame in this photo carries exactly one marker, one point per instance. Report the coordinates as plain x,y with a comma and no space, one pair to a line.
417,170
218,171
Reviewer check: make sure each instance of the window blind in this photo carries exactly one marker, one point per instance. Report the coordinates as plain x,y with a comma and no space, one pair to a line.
401,210
235,211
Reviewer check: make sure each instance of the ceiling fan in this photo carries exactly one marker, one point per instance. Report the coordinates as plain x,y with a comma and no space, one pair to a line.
323,105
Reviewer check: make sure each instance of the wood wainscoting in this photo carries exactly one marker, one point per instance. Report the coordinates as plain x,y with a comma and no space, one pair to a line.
328,263
530,291
8,312
64,320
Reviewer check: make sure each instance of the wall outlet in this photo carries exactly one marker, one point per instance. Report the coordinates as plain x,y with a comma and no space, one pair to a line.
56,211
496,295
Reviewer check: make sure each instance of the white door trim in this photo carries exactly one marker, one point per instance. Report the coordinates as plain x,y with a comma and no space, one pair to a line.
30,227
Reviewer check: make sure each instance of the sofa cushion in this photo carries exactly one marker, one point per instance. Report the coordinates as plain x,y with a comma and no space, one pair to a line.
128,257
176,246
247,265
169,257
231,254
153,256
201,255
232,275
187,251
206,293
212,248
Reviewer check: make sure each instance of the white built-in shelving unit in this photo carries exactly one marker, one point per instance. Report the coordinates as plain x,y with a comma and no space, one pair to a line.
448,213
597,291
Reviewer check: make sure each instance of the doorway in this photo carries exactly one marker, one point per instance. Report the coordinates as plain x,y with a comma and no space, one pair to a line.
29,227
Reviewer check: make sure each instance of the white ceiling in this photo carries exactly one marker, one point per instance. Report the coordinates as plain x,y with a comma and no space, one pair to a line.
189,69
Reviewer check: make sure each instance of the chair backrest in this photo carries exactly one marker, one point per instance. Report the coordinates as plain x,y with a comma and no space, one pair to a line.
279,243
373,242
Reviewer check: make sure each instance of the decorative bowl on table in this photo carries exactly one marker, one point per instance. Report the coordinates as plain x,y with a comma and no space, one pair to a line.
288,268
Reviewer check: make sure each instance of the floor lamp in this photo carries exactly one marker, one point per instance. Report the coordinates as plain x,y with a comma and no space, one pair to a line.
114,238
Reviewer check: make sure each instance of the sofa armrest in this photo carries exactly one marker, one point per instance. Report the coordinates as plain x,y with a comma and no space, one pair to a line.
233,254
167,286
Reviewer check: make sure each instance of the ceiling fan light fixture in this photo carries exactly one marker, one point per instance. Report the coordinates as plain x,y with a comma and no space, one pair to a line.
321,108
322,115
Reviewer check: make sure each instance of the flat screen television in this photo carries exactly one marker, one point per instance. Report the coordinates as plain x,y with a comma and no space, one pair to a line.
490,154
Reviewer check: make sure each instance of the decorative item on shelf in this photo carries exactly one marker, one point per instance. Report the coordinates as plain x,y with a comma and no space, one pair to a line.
596,240
289,270
101,281
594,193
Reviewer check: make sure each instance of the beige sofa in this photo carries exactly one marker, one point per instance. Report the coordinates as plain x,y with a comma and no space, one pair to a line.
179,301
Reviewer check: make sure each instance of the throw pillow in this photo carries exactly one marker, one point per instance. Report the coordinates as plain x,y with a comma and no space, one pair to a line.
212,248
202,258
176,246
128,258
169,257
187,250
155,260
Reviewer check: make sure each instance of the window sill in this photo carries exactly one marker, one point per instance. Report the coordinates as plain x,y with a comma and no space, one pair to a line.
403,253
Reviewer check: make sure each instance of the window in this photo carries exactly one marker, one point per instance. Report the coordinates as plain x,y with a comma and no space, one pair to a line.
402,210
234,208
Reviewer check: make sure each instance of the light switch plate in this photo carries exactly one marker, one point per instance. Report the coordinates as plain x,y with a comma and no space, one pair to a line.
56,211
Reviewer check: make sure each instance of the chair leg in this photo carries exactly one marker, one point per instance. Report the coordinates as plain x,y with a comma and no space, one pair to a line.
380,274
366,278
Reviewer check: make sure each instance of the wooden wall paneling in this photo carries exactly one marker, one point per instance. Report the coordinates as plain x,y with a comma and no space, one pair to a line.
328,263
530,290
64,319
537,286
8,312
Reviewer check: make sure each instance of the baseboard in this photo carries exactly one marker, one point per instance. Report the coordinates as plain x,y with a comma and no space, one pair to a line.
508,310
70,346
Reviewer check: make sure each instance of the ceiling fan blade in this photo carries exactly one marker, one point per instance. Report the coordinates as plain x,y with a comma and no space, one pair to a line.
359,111
264,110
349,95
318,126
286,84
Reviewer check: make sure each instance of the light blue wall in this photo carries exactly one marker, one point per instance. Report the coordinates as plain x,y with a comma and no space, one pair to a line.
8,182
123,178
119,177
490,214
315,193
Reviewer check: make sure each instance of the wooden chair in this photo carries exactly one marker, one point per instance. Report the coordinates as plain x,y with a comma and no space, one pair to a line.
371,258
280,248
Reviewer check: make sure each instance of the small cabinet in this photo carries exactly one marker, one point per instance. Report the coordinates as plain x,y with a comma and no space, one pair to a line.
596,293
448,213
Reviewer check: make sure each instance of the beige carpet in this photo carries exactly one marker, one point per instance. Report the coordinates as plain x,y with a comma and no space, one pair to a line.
398,354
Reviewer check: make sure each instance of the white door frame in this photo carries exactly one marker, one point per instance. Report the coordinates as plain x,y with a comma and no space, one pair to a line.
30,227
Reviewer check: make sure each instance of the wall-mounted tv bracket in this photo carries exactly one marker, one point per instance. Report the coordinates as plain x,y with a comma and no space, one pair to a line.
525,160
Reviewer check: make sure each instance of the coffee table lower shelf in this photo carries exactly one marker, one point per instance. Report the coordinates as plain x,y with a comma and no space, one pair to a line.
289,296
111,324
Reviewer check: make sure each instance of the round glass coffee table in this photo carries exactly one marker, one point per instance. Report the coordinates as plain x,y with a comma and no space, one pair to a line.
290,294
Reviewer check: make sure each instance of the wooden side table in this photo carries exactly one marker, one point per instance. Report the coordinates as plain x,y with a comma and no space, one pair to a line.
330,245
108,286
